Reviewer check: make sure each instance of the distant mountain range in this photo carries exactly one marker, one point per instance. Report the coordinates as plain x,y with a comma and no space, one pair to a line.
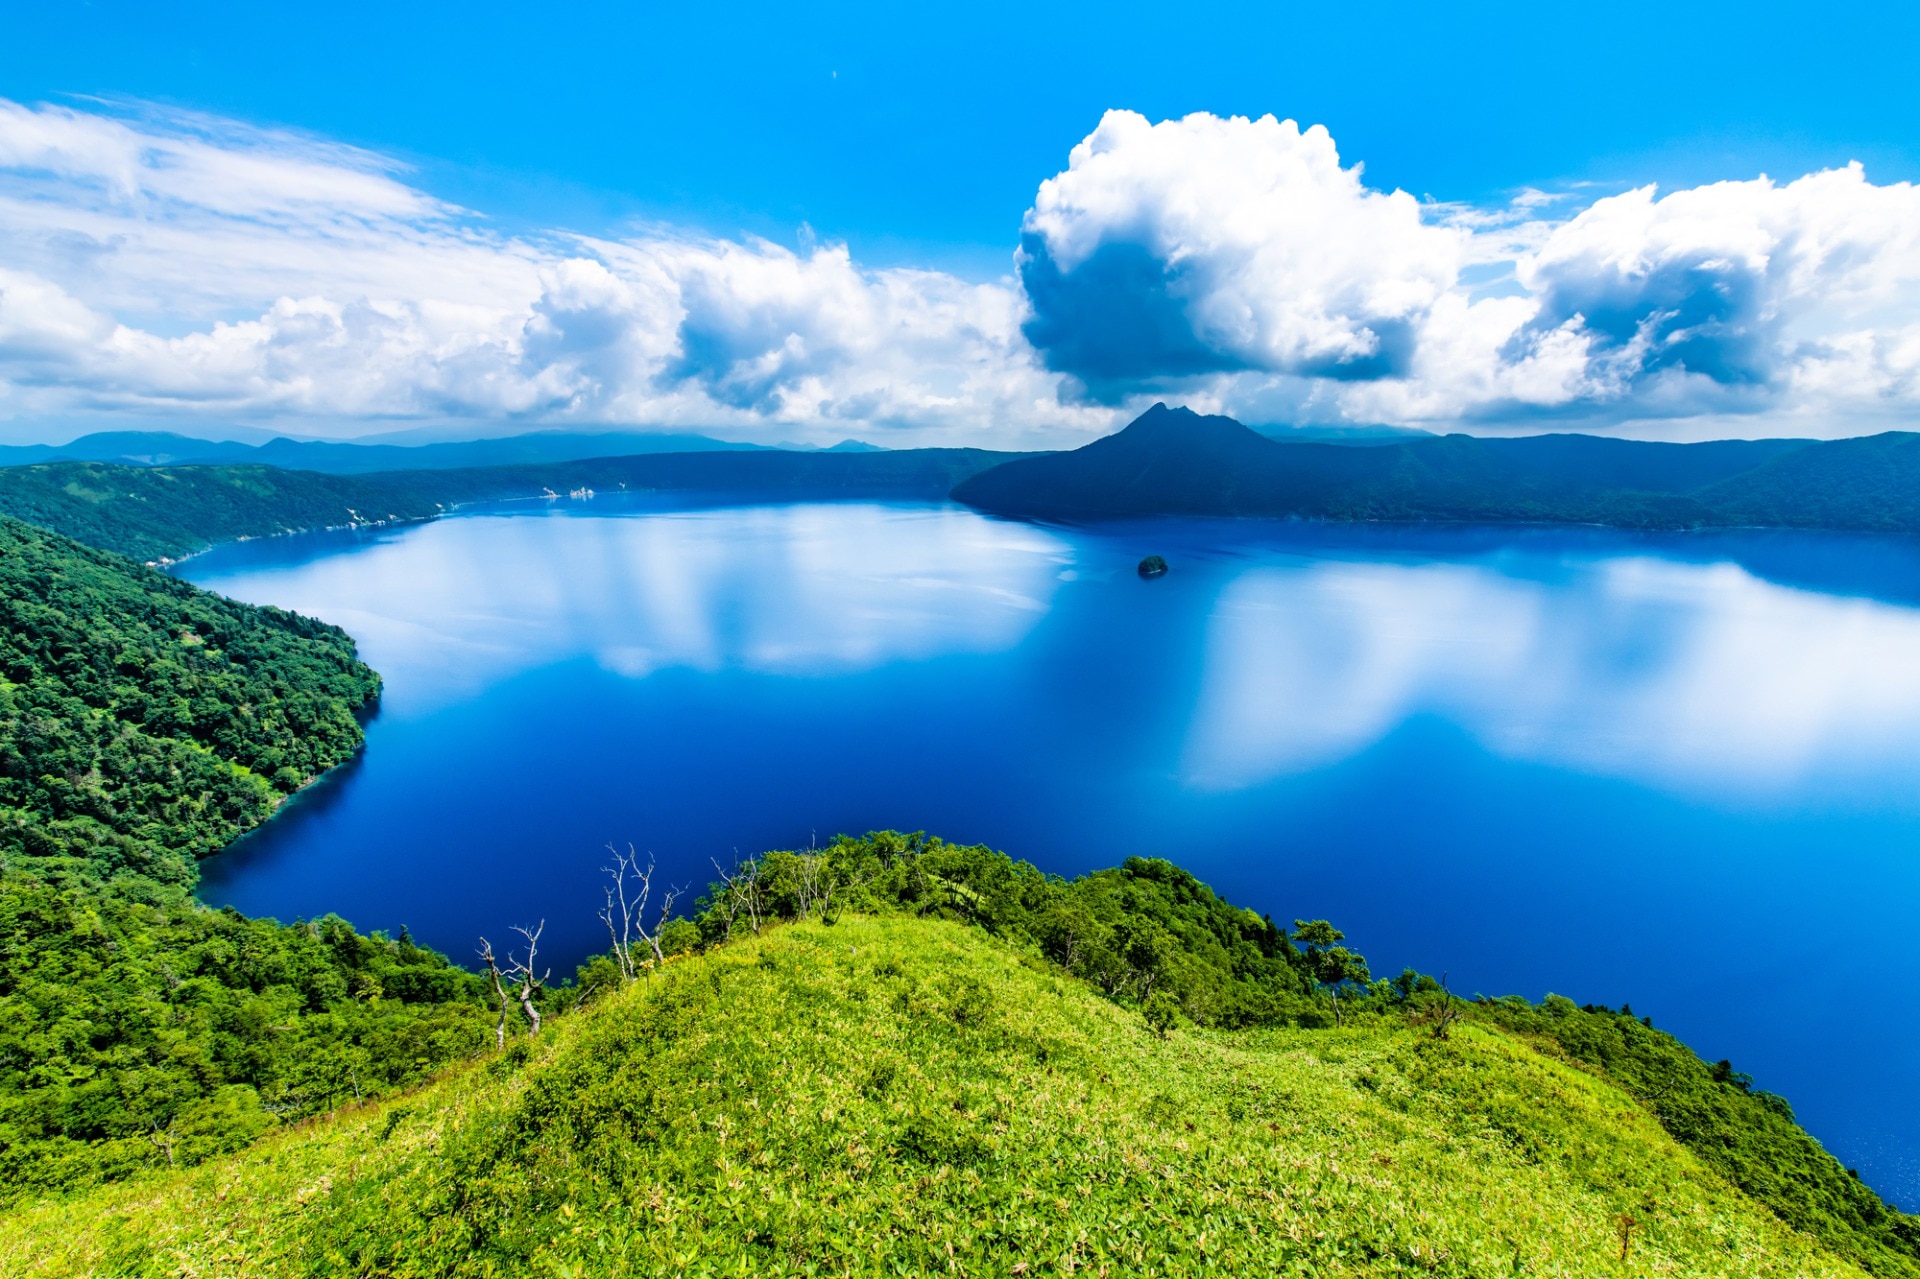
158,513
1344,434
1171,461
163,448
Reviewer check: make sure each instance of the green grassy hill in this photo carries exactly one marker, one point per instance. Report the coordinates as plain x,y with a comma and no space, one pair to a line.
910,1096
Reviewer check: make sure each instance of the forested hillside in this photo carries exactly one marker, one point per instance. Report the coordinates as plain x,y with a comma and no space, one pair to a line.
145,723
1176,462
157,513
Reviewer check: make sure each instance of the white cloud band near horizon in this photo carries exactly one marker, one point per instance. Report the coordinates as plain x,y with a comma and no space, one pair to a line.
167,267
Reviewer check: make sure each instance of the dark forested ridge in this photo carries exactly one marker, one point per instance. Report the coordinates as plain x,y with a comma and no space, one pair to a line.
1175,462
145,723
163,513
1167,462
158,513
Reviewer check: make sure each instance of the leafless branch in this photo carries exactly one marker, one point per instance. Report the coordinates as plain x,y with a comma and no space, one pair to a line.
517,981
499,991
1441,1016
162,1139
625,914
521,972
743,892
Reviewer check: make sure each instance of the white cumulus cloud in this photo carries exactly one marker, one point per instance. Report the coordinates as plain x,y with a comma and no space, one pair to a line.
175,264
171,265
1206,244
1238,264
1748,291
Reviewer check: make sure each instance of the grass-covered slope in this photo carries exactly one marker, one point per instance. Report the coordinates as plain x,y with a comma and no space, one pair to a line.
145,723
1749,1136
1150,935
908,1096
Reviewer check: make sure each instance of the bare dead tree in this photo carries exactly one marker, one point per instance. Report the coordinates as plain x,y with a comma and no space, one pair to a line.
1069,947
827,881
625,914
1441,1016
516,982
809,882
743,892
817,882
499,992
750,893
728,905
162,1139
620,909
521,972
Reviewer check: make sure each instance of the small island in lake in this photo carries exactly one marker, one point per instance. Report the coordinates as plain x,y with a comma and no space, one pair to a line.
1153,566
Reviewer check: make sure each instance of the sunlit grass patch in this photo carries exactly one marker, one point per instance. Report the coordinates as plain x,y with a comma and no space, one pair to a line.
909,1097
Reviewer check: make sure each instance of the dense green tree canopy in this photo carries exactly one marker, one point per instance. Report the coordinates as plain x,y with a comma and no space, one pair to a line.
145,723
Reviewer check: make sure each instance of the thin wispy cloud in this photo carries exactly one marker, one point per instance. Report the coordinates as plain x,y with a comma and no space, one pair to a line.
164,263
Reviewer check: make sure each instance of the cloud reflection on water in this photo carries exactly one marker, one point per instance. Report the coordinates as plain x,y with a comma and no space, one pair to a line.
1679,675
1686,674
447,609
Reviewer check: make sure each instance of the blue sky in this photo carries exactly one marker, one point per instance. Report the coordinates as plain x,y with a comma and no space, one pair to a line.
907,132
917,141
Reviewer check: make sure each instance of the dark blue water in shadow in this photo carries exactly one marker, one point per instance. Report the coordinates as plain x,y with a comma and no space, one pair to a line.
1673,770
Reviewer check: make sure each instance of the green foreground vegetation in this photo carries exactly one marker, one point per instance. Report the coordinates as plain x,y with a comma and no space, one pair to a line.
854,1059
888,1096
145,723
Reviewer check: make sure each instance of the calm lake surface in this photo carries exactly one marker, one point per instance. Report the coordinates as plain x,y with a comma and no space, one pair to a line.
1681,771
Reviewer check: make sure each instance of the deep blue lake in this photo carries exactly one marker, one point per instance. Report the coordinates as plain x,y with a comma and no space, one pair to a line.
1677,770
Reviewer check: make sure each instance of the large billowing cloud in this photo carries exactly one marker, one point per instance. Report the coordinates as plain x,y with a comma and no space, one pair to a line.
1237,262
1208,245
1741,290
194,269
